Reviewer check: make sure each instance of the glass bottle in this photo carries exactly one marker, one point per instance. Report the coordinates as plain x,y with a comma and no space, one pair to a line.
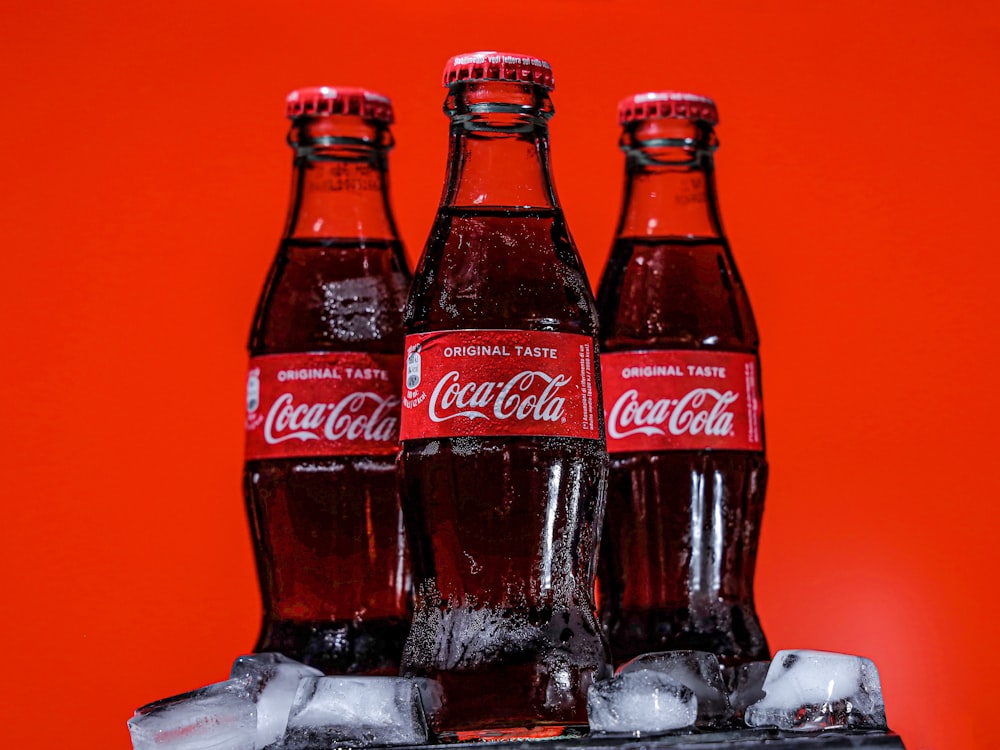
503,453
320,477
682,398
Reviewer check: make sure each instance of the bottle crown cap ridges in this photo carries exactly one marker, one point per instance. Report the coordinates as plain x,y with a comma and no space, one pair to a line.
680,105
319,101
489,65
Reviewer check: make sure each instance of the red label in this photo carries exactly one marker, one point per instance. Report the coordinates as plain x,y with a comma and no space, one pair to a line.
681,400
323,404
484,383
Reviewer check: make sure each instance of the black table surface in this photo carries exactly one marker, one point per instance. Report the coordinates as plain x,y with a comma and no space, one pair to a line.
745,739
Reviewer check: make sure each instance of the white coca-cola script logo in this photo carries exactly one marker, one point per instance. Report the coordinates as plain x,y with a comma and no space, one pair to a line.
347,419
530,394
702,410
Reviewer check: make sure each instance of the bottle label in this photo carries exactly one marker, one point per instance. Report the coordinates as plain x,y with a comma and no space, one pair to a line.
323,404
497,382
681,400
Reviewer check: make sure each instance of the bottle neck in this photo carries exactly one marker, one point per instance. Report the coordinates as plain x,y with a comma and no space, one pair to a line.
499,147
669,180
340,179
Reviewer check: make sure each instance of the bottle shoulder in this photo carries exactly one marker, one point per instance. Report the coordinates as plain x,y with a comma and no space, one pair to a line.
332,295
674,293
503,268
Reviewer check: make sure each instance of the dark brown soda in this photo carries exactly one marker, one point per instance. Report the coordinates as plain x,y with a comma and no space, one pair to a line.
343,604
503,615
681,527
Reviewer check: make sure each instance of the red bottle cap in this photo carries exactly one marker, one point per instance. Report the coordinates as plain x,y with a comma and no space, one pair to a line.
676,104
340,100
498,66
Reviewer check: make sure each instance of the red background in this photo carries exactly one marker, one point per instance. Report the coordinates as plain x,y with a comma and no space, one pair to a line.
146,177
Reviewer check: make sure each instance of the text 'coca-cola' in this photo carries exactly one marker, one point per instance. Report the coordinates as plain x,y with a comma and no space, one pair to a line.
497,382
681,400
323,404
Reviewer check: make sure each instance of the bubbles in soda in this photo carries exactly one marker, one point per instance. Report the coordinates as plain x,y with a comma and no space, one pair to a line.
682,525
328,530
504,528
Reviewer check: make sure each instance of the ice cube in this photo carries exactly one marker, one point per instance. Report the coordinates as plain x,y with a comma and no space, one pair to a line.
745,683
810,690
220,716
641,702
271,680
431,695
698,671
355,711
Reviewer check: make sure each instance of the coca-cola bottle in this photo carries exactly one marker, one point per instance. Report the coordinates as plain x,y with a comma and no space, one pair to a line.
322,428
503,454
682,399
